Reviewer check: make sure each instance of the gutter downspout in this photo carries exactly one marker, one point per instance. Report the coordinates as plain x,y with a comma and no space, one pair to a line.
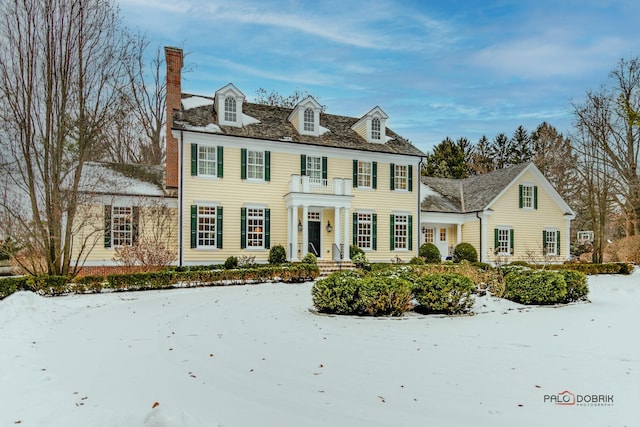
180,196
419,211
480,231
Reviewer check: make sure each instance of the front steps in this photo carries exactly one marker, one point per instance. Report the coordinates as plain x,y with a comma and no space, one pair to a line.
328,267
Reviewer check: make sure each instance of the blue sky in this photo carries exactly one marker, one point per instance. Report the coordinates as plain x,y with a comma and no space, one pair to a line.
437,68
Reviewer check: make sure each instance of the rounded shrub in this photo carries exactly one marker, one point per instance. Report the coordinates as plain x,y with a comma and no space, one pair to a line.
277,254
309,258
231,263
338,293
355,250
416,260
465,251
535,287
430,253
577,288
449,293
385,296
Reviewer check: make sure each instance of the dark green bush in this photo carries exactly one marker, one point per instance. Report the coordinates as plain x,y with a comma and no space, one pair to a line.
482,265
354,250
309,258
577,288
416,260
9,285
338,293
535,287
277,255
140,281
49,285
385,296
430,253
465,251
449,293
231,263
89,283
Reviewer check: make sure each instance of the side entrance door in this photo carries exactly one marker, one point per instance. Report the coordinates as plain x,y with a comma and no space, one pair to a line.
314,238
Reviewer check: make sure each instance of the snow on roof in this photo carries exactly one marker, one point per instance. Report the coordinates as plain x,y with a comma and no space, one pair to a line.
248,120
105,178
195,101
210,128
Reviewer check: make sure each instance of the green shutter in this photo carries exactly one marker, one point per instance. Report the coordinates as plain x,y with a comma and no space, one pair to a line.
558,242
535,197
355,175
267,165
243,228
355,229
194,226
410,232
520,195
267,228
107,226
324,167
374,232
135,224
243,163
495,240
194,159
303,165
220,162
410,177
544,242
374,175
392,171
511,239
219,227
392,242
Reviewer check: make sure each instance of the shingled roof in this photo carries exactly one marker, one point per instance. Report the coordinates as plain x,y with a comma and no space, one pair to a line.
272,124
471,194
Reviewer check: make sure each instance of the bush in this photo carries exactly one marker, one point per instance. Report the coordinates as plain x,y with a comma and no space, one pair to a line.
309,258
360,260
49,285
430,253
277,255
465,251
355,250
385,296
10,285
231,263
577,288
416,260
338,293
535,287
89,283
448,293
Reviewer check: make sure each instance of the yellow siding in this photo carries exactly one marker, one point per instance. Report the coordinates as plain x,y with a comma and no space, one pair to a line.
471,234
361,129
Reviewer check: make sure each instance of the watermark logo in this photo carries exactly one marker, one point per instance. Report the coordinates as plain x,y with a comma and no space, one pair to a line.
567,398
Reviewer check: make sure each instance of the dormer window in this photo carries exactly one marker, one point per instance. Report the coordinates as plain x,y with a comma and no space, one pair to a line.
372,127
309,120
228,106
305,117
230,114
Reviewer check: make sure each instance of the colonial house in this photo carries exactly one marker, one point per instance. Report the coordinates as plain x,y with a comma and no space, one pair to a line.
507,215
250,176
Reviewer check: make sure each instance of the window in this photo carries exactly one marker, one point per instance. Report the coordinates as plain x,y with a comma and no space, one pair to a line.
255,164
585,236
206,226
255,228
375,128
400,232
314,169
122,226
503,241
309,120
443,234
364,174
428,235
207,160
230,109
400,177
551,242
528,196
365,231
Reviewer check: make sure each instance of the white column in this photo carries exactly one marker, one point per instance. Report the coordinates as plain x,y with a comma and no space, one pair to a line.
483,238
290,232
567,236
336,228
305,230
346,235
459,233
294,233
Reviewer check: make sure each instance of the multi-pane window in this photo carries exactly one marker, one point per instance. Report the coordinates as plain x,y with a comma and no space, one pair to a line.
230,114
206,226
428,235
364,174
314,169
365,231
206,160
309,120
528,196
400,231
255,228
255,164
122,225
503,246
443,234
375,128
400,177
551,242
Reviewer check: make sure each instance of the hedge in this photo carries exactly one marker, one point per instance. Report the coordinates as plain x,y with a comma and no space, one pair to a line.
448,293
586,268
535,287
9,285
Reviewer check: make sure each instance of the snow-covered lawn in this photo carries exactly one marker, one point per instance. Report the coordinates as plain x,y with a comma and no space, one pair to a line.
256,356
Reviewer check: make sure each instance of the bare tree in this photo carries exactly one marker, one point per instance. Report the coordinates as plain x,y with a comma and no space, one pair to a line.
62,67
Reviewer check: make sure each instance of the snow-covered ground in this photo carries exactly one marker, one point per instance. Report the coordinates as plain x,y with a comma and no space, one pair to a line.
256,356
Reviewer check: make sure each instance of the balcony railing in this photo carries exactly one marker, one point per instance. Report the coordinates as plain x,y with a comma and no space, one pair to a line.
306,184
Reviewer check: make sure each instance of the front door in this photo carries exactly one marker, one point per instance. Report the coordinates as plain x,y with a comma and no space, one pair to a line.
314,238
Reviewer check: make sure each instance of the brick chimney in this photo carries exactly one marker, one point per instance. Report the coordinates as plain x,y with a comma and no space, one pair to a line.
173,60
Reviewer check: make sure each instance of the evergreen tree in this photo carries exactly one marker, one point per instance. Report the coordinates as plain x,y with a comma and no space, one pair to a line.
448,159
481,161
521,146
501,151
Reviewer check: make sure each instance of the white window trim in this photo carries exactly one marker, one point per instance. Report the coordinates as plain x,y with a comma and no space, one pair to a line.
215,225
129,220
532,197
263,166
262,233
215,161
554,233
396,177
370,175
406,236
370,222
508,230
